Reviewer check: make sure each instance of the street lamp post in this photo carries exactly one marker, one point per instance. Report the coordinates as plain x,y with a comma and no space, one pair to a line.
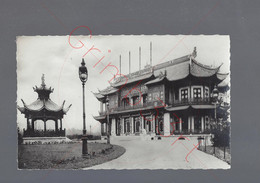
215,94
83,75
108,125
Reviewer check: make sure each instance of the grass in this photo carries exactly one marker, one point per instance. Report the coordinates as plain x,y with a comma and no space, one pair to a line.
65,156
219,152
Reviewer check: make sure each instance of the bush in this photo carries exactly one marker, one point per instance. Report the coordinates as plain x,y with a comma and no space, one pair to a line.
221,137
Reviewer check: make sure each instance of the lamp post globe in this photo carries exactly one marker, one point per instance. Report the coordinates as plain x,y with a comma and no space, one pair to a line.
83,76
83,72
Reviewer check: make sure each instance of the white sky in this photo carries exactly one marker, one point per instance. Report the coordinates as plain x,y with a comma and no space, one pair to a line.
54,57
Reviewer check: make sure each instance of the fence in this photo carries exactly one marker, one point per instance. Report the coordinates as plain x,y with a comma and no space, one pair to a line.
220,152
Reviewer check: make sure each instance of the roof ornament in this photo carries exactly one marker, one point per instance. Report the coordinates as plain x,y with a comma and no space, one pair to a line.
43,81
194,53
165,72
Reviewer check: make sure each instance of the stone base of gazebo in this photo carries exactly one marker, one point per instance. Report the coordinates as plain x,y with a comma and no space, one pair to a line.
45,140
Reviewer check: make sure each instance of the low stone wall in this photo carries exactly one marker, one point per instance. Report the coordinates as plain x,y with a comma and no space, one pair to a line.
45,140
194,138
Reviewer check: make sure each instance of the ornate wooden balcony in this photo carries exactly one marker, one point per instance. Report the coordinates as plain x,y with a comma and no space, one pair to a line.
188,132
129,107
192,101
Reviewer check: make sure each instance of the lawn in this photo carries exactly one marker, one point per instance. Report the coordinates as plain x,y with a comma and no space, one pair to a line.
65,156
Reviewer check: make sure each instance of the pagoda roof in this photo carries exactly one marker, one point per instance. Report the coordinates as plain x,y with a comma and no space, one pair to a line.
200,70
173,70
133,77
39,105
102,94
43,102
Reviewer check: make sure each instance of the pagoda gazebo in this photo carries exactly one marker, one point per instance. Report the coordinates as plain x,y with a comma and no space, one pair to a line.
43,109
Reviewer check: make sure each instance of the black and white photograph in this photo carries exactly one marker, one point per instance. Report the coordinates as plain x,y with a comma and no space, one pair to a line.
123,101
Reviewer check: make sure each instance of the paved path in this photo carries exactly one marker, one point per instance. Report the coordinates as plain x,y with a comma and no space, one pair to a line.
160,154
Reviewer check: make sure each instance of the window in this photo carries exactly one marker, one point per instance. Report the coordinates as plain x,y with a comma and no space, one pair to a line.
207,125
197,93
145,98
184,94
150,97
125,102
156,95
161,95
136,100
206,92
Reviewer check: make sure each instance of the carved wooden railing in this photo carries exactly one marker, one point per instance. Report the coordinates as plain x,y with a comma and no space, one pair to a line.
192,101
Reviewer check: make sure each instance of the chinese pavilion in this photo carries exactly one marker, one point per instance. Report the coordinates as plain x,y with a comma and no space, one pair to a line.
43,109
170,98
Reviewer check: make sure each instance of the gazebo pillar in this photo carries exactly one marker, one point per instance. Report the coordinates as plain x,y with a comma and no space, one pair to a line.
60,124
33,124
56,125
28,124
44,125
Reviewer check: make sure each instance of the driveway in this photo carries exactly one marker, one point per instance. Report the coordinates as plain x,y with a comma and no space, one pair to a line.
143,153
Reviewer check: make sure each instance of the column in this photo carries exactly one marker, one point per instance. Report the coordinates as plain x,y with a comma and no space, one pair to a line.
141,124
44,125
113,127
56,125
28,124
180,126
166,124
153,123
60,124
173,125
131,101
189,123
122,126
202,123
105,128
33,124
131,124
192,123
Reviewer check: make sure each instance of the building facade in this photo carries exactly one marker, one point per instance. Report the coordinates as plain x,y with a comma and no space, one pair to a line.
166,99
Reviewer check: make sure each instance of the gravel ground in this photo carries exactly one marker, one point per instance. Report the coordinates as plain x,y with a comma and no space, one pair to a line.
161,154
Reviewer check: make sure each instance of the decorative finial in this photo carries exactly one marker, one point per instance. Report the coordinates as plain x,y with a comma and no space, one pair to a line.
83,62
43,81
194,53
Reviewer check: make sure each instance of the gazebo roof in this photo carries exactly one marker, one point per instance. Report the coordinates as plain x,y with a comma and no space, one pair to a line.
40,105
43,103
